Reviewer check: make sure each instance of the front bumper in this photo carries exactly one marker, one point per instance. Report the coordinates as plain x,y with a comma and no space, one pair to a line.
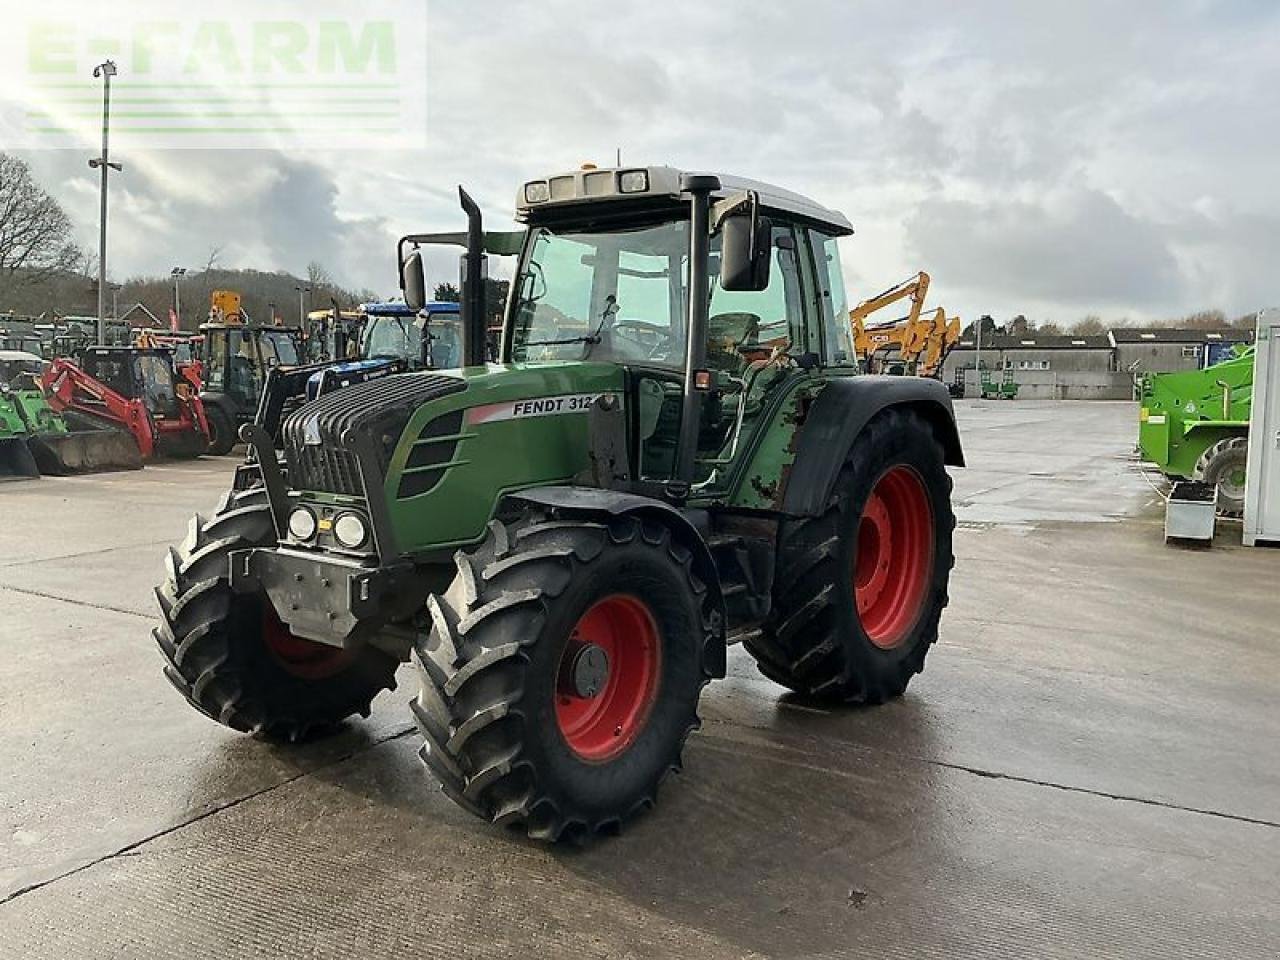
319,598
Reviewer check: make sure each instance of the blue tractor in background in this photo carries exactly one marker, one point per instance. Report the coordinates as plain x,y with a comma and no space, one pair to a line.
393,339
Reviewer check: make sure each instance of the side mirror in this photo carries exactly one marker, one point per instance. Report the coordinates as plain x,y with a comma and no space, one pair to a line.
413,281
745,252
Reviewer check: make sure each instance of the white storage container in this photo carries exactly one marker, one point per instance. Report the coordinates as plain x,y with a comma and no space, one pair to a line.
1262,484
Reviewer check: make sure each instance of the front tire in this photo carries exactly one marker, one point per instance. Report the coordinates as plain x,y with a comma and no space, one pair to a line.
562,672
229,654
222,433
1223,465
860,590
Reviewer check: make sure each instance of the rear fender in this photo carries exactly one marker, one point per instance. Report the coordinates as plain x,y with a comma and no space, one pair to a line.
586,502
841,412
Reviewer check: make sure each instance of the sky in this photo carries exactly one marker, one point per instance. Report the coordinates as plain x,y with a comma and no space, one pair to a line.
1054,160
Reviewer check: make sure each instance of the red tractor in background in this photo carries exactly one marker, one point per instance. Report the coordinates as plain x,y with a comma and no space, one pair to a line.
137,389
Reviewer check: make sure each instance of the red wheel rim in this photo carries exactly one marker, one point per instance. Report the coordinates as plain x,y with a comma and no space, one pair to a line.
893,559
302,658
603,726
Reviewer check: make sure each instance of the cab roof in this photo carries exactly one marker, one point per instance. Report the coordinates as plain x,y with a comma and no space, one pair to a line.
398,308
607,185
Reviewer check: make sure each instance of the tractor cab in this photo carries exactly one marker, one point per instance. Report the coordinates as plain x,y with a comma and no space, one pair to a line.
237,359
606,276
139,374
21,341
426,339
331,335
20,369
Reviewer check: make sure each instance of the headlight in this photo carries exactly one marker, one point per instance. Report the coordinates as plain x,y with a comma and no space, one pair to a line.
634,181
302,524
537,192
350,530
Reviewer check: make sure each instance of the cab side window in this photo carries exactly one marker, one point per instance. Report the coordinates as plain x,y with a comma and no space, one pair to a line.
746,324
837,335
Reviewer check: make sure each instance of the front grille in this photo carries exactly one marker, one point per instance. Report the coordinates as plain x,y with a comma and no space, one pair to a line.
316,436
330,469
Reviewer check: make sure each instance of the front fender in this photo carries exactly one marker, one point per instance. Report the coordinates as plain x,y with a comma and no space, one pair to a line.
592,502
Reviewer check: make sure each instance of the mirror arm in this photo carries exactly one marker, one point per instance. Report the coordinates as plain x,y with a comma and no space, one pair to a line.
746,200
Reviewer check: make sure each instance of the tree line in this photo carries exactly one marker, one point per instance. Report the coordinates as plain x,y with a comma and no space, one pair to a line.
1093,325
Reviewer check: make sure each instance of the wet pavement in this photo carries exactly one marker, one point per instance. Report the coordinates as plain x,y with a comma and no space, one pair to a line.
1087,768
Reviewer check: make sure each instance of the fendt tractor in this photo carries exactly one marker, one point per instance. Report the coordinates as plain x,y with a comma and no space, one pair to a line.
674,453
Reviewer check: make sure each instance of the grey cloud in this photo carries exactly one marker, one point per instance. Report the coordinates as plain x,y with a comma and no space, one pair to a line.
263,209
1052,153
1083,250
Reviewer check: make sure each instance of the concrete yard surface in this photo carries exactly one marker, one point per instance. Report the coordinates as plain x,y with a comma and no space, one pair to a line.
1089,766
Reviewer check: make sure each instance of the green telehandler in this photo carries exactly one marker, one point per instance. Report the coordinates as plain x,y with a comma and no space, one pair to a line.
674,452
1194,425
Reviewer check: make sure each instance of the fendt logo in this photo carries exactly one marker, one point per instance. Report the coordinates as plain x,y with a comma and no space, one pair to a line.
232,74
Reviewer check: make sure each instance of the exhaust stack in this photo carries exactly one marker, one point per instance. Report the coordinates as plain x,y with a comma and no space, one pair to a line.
475,351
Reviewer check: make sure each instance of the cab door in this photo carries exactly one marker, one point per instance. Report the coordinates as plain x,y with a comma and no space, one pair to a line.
754,345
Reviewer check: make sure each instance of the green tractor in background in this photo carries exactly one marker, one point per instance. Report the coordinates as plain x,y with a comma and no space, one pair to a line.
36,441
16,459
674,452
1194,425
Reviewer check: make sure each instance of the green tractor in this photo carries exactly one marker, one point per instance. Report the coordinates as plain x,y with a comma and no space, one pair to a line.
37,441
16,459
674,453
1194,425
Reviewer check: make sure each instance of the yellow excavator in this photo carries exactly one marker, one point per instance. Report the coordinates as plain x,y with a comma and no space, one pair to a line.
944,334
915,344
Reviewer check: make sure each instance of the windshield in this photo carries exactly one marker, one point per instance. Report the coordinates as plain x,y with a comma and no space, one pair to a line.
612,297
279,347
622,297
156,375
20,371
399,337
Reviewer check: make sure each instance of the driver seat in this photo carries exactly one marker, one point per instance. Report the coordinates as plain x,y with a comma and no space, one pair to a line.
724,349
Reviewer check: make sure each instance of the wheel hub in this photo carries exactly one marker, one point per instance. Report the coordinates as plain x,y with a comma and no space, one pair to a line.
893,558
589,671
305,659
607,679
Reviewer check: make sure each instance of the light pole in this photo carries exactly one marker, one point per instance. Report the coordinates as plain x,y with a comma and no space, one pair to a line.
115,309
177,273
977,356
302,315
106,70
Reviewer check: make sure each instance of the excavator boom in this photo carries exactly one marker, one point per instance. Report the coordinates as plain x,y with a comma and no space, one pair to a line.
920,341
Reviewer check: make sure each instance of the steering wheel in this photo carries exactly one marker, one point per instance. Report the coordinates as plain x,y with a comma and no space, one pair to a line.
647,336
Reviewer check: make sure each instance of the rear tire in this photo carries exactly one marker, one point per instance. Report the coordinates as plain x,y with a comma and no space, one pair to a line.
1223,465
854,628
506,732
230,656
222,432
